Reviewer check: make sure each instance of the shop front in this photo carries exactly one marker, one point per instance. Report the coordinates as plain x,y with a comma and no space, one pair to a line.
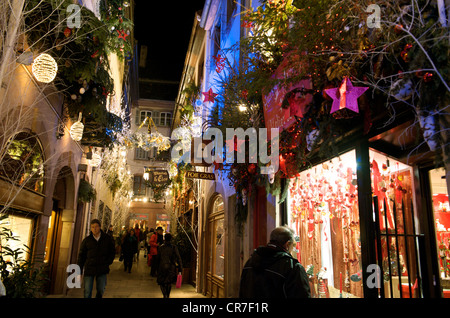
324,211
367,226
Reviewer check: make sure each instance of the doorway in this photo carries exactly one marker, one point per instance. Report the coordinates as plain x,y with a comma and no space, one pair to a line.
52,245
215,269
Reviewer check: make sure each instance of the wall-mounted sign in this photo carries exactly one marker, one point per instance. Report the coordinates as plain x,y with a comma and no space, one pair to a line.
158,177
200,175
137,216
162,217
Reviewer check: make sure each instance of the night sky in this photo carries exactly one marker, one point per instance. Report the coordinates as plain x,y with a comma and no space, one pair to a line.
165,27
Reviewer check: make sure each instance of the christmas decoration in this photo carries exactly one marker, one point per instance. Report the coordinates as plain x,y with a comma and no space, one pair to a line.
122,35
220,63
209,96
44,68
76,131
345,96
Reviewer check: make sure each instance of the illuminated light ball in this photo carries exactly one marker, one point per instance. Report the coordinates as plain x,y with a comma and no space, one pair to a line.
44,68
76,131
82,90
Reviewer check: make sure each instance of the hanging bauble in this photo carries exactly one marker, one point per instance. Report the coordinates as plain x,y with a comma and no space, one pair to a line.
428,125
402,89
44,68
76,131
244,196
251,168
311,138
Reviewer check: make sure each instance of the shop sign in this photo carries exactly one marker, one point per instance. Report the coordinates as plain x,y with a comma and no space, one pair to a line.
158,177
136,216
162,217
200,175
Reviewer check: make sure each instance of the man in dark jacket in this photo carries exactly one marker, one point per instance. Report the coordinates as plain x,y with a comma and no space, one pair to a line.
97,252
271,271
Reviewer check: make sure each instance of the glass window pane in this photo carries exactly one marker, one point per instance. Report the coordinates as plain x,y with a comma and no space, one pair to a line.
219,251
441,211
21,230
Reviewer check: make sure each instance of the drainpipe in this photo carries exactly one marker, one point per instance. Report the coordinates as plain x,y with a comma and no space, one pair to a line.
205,13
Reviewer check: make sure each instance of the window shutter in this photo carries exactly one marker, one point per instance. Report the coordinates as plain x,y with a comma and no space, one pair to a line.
155,117
136,118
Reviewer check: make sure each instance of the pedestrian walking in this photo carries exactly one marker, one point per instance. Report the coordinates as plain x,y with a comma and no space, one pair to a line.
170,265
149,236
129,248
137,233
97,252
155,242
110,230
271,271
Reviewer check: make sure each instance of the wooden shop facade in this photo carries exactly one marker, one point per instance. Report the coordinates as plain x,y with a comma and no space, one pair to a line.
372,220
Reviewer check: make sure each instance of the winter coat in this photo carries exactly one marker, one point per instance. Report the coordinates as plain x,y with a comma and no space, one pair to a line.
169,264
129,246
271,272
96,256
154,240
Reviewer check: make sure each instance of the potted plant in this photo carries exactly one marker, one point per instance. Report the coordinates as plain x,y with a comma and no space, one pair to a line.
86,192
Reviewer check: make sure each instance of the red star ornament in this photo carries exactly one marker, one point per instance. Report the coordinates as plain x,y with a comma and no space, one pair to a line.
346,96
122,35
209,96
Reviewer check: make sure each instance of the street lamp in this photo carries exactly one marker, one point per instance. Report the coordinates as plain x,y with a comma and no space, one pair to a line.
146,174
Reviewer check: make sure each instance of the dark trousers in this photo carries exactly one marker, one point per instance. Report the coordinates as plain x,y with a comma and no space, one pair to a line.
166,288
128,263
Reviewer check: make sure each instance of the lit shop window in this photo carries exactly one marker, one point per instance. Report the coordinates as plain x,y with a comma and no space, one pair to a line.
23,162
324,212
216,237
21,229
441,211
323,205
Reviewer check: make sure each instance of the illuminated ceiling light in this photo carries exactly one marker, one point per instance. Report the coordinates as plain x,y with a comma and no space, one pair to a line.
76,131
44,68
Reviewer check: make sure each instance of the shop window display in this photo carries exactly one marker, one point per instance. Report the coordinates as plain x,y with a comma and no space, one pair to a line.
323,203
324,212
392,184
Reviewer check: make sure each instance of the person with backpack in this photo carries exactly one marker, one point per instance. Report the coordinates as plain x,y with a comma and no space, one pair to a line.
272,272
169,266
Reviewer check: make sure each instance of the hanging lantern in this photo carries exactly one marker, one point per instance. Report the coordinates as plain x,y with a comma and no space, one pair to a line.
44,68
76,131
96,159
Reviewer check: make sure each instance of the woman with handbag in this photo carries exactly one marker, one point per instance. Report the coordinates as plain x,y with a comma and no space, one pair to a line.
170,265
